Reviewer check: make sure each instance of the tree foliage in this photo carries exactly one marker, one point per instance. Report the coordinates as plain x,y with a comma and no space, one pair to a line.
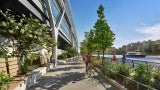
88,45
26,33
101,37
70,51
103,34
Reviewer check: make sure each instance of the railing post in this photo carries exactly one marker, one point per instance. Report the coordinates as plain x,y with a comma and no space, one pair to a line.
137,86
132,63
125,81
146,62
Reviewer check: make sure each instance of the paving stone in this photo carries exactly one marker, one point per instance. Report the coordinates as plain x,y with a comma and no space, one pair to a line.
71,76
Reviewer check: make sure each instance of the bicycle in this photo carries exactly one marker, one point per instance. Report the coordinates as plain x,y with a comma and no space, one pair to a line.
89,69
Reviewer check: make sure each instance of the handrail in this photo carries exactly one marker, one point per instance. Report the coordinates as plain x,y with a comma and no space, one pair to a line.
127,78
134,62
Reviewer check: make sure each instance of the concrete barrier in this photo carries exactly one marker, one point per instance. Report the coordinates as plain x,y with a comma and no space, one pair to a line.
30,79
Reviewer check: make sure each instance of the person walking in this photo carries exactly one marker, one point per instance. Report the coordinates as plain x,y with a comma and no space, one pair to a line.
53,61
124,59
114,57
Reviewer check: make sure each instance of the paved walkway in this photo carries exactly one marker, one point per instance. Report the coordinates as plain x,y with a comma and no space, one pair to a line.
70,76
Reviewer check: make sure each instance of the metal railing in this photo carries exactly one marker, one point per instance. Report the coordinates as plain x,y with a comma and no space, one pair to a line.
127,82
135,63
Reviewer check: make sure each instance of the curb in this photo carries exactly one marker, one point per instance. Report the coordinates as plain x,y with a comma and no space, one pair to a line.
113,82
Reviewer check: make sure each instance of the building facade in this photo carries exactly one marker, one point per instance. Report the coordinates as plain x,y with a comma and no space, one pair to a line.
55,13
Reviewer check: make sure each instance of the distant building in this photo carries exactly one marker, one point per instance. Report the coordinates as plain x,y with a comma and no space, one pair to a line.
86,34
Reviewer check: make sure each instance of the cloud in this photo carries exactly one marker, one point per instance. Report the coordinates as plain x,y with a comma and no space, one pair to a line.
145,32
120,41
152,32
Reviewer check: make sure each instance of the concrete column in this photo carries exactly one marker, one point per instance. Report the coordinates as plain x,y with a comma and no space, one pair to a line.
56,33
54,30
55,49
54,26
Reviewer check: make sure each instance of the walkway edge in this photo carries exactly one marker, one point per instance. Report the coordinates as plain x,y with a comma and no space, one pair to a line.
113,82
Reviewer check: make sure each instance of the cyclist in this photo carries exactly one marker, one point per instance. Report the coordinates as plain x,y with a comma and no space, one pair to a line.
88,61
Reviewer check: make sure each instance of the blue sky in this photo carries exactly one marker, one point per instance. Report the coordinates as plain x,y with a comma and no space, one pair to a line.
130,20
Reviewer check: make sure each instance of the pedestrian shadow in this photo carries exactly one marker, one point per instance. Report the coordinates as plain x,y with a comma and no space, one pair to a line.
66,68
58,81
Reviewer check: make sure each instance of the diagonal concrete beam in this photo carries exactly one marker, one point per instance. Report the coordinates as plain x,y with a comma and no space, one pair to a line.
60,18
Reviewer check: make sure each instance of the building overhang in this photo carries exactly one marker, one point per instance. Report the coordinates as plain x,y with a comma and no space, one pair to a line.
18,7
63,41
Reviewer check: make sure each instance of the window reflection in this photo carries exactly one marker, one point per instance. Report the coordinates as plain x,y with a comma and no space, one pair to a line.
55,9
65,27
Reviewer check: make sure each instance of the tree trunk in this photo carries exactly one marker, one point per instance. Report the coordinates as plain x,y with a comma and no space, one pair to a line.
103,57
98,55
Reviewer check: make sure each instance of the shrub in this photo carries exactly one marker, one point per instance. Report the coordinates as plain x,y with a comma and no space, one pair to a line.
96,62
62,56
123,69
31,62
156,83
4,78
33,59
110,70
24,68
143,73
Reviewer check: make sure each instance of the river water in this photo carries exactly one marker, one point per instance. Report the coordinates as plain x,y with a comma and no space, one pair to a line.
148,58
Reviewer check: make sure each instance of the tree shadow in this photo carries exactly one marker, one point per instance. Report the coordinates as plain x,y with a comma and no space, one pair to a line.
58,81
66,68
103,82
68,63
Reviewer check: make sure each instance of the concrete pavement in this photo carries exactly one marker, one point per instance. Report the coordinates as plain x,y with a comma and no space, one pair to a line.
71,76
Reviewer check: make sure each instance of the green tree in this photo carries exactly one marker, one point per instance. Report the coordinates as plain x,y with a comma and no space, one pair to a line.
149,50
26,33
91,45
71,52
88,45
83,48
103,34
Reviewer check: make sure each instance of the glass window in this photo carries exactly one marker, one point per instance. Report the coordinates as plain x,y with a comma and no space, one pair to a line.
65,27
43,2
55,9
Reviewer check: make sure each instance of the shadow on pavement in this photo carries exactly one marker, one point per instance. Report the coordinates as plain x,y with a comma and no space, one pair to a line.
66,68
68,63
56,82
103,82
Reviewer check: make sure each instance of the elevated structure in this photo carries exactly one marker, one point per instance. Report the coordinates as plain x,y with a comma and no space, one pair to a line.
55,13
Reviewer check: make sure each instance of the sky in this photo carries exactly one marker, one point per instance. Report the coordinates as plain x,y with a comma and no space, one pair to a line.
130,20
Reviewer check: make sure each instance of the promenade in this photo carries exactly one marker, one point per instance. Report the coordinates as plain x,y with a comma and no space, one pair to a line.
71,76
